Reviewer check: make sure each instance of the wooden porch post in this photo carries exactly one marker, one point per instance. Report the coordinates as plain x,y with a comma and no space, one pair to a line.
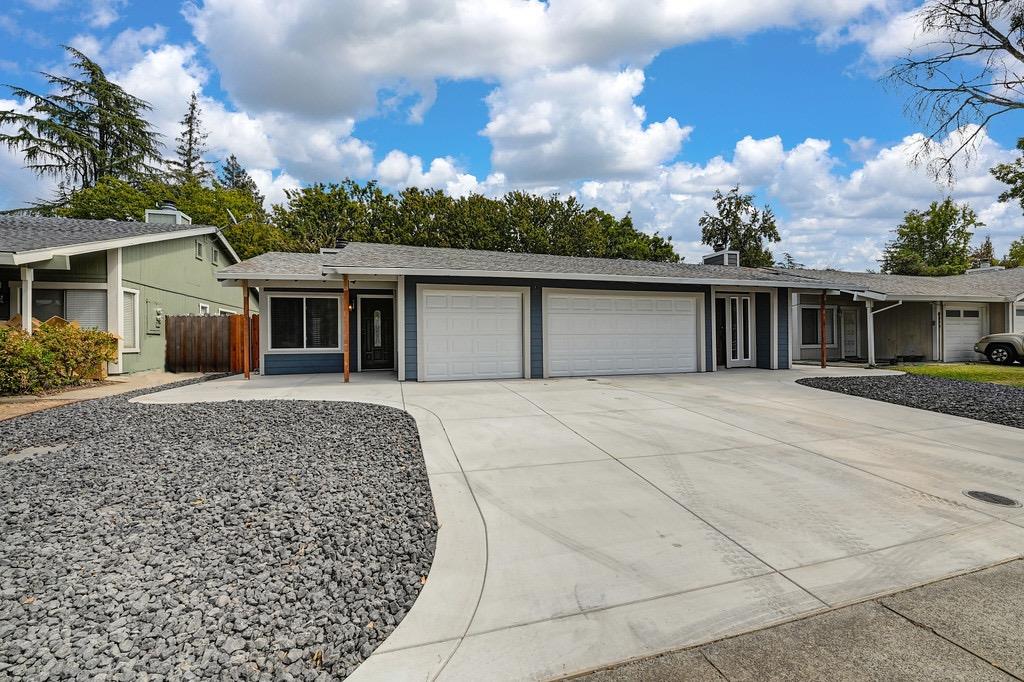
824,346
344,325
248,327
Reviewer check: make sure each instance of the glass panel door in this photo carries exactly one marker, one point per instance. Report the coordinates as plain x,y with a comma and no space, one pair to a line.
738,330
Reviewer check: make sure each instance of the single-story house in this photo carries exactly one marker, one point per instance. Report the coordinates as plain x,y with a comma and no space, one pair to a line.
437,313
908,318
119,276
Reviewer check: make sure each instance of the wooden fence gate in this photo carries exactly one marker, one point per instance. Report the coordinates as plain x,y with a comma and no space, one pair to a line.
209,343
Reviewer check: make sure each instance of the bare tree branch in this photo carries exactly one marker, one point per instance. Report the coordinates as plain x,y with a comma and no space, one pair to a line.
964,77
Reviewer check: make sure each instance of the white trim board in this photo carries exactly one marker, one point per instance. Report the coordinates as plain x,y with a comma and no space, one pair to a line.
44,254
268,350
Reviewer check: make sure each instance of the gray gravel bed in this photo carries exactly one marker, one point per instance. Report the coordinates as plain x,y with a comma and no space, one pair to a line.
986,402
269,540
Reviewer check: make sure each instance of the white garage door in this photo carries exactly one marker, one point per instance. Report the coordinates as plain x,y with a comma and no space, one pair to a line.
620,333
962,328
472,334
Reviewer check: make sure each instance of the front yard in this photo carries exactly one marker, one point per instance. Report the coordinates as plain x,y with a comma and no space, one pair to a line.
999,403
1007,375
269,540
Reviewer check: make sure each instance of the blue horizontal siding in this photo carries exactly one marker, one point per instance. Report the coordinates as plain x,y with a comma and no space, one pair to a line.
302,363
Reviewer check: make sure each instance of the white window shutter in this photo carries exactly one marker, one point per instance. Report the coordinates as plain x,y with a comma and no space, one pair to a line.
130,321
88,307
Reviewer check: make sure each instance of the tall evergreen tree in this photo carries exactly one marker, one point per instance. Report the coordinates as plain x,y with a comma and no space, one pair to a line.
86,129
189,165
234,176
984,253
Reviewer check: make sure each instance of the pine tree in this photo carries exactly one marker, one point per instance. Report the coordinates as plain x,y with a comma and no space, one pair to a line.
189,165
984,253
85,129
234,176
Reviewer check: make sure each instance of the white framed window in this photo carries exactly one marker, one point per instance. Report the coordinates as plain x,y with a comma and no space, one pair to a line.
130,320
810,326
215,255
305,323
226,311
204,308
199,249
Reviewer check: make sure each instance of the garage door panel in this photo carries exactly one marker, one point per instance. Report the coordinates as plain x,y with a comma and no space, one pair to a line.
472,335
961,329
625,333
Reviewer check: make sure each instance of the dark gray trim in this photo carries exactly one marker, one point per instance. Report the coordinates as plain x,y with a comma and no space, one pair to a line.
763,329
783,338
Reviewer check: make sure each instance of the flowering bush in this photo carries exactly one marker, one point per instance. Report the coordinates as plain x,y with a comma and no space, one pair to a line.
58,354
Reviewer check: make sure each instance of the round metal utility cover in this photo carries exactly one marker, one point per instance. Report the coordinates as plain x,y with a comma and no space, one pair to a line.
991,498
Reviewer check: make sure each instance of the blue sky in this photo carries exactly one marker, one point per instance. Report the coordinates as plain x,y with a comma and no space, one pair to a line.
644,109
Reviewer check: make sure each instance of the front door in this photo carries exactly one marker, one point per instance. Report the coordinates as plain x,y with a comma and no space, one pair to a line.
738,330
376,333
851,333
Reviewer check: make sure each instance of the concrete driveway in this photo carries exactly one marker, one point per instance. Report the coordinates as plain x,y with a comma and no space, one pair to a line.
585,522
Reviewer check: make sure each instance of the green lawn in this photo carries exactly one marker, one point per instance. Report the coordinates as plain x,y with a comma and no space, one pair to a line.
1009,375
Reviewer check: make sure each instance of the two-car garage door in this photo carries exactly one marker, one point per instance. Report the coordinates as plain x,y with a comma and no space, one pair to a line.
619,333
479,334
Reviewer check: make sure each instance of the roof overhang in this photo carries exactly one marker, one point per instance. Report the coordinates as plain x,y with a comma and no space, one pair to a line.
40,255
337,270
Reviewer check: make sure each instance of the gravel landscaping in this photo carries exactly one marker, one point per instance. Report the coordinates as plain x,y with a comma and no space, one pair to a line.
986,402
267,540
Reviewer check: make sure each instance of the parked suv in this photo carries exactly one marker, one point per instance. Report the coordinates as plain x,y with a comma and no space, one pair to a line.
1002,349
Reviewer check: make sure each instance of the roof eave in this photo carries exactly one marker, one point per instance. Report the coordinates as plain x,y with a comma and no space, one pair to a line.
38,255
512,274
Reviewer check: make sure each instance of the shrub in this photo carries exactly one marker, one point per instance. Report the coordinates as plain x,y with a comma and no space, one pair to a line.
56,355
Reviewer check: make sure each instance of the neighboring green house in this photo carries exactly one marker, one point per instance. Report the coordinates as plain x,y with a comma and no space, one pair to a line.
120,276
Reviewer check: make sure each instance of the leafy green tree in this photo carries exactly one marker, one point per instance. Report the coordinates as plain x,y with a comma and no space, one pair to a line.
234,176
189,165
87,128
240,218
1015,256
321,215
934,242
740,226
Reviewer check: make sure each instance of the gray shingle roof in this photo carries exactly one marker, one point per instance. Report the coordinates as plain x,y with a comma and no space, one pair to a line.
20,233
280,264
362,256
998,283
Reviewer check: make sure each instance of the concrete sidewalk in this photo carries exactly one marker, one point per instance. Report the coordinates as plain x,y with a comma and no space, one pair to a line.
963,628
17,405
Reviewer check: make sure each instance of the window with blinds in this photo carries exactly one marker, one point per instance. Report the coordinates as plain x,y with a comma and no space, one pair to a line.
87,307
302,322
129,314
